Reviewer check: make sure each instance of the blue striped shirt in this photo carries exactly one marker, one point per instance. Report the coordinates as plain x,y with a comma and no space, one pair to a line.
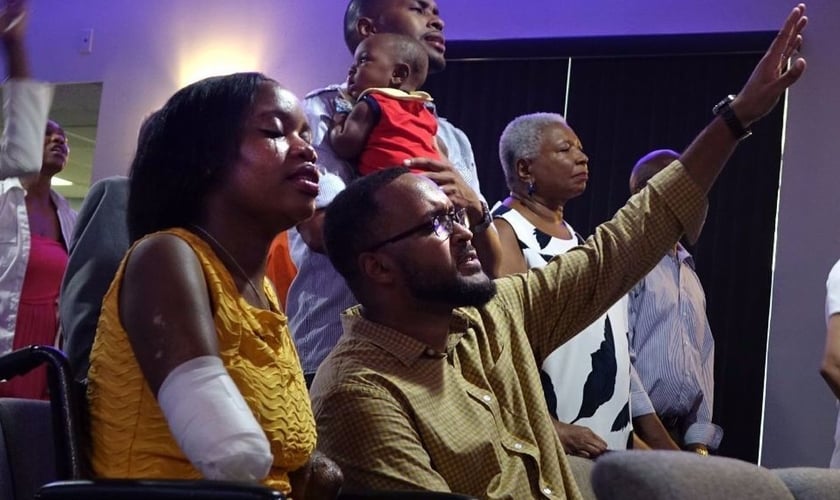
672,347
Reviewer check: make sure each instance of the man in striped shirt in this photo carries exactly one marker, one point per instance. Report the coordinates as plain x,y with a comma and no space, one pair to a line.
670,340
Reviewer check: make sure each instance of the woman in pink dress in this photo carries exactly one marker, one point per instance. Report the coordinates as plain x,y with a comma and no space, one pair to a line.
35,228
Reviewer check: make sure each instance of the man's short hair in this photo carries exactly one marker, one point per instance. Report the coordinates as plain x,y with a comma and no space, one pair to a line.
350,219
355,10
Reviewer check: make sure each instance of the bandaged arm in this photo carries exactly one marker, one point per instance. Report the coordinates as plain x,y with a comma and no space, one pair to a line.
211,422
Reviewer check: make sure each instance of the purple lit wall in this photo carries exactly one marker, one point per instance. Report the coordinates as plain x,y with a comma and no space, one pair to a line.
140,47
475,20
144,50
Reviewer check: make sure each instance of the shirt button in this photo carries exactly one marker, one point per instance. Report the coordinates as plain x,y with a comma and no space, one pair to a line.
487,398
547,491
430,352
518,446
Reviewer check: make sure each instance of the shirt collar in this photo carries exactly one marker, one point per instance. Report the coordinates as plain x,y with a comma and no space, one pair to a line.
684,256
403,347
10,183
417,95
341,88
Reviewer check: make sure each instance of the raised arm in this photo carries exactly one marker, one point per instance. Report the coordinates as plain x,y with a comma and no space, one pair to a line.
705,157
349,132
576,287
25,103
13,29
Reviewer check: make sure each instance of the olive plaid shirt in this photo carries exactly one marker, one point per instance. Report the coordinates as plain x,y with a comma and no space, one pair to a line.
395,414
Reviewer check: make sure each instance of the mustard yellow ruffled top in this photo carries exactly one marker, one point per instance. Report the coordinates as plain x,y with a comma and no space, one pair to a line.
130,436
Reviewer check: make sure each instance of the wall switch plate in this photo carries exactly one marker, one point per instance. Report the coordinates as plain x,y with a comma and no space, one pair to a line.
86,41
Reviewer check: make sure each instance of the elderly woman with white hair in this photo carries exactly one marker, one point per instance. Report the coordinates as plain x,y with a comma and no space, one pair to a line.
587,381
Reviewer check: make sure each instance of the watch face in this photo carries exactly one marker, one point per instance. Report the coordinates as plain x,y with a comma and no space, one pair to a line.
726,100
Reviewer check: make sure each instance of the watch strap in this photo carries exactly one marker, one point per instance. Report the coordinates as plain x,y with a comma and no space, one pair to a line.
484,223
724,110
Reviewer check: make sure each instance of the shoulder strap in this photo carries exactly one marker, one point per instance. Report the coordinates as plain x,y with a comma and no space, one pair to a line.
375,108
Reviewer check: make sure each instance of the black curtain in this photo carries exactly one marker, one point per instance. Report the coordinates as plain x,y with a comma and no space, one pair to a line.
482,96
628,96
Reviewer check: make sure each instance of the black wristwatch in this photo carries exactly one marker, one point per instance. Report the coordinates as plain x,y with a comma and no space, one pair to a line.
484,223
724,110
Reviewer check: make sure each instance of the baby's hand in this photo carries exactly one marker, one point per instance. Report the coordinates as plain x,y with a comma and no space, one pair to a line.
338,119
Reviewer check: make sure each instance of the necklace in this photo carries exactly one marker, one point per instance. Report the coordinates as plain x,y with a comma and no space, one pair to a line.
235,263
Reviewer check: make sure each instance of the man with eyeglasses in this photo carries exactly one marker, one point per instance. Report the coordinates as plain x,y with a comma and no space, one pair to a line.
441,225
434,384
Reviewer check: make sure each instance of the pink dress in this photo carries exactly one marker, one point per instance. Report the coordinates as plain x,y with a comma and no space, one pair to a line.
37,321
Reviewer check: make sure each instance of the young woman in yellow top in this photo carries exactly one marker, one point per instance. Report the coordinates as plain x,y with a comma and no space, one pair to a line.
193,373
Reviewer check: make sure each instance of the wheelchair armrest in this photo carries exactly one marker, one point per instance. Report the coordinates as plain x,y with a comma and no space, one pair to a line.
155,489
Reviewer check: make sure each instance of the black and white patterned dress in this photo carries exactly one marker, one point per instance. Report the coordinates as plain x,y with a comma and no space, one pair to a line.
587,379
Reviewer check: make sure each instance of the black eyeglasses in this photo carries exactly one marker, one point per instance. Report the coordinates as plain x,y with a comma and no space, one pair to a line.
441,225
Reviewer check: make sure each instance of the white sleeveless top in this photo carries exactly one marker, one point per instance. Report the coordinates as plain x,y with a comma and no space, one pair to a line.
587,380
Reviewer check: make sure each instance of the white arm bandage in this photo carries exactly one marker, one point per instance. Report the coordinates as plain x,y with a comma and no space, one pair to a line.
212,423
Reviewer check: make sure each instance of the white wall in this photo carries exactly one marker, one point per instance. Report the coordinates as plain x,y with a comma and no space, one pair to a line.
799,409
143,48
144,51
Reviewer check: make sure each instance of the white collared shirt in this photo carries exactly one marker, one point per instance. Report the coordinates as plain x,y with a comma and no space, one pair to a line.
15,245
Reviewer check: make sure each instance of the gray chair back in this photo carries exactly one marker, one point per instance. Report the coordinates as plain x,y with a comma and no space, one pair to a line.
27,452
665,475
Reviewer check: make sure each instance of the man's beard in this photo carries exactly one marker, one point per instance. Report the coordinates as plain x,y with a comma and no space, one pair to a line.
456,291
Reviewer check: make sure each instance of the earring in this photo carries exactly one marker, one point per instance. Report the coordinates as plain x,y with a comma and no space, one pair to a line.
531,188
